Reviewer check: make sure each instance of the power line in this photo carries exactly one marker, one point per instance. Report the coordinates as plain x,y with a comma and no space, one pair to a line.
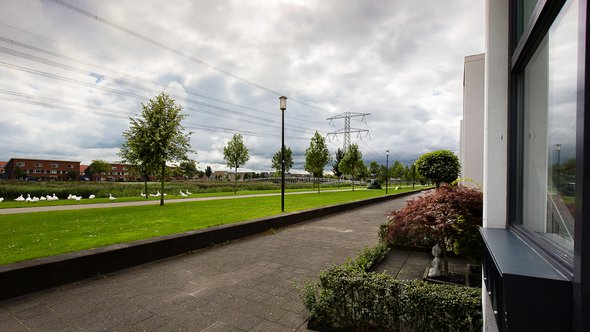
173,50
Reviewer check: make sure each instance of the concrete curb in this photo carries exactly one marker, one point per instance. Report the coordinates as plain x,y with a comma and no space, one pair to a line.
37,274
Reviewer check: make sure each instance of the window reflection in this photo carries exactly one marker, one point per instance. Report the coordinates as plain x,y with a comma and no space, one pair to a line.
549,132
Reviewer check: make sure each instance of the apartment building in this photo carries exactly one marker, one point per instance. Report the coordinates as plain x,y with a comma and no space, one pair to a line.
41,169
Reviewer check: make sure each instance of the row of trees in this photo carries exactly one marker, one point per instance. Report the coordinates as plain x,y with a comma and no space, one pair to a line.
157,137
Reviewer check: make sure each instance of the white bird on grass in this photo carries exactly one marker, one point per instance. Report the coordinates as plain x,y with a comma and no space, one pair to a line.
142,194
1,199
188,193
49,198
78,198
54,198
35,199
28,199
92,196
20,198
42,198
112,198
183,194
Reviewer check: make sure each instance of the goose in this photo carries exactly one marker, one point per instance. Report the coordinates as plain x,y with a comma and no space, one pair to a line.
35,199
20,198
78,198
55,198
188,193
42,198
183,194
1,199
92,196
112,198
49,198
28,199
155,195
142,194
70,197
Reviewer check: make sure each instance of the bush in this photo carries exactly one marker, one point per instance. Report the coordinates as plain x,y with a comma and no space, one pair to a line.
449,215
354,300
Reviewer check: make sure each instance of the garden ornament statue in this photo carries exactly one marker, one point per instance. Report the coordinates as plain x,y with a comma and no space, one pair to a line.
434,271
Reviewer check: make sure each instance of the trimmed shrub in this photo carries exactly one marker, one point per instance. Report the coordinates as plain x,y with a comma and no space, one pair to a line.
348,297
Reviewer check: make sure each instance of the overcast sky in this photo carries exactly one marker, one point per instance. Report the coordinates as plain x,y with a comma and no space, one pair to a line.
72,72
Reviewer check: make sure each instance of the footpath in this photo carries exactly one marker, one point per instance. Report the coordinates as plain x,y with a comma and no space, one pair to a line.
246,285
30,209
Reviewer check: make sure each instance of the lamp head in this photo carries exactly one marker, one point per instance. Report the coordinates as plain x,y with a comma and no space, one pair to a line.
283,103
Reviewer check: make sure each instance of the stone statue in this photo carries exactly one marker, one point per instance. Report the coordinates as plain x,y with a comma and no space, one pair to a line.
434,271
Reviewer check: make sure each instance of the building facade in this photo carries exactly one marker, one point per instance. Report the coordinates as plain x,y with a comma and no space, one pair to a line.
536,234
42,170
471,149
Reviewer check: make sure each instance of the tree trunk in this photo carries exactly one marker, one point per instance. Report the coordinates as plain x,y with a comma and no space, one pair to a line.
445,258
162,184
145,179
235,181
319,185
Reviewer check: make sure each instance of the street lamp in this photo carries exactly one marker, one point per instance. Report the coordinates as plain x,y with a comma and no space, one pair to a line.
283,107
386,171
558,149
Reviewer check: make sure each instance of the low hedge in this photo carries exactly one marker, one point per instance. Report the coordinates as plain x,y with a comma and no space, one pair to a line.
347,297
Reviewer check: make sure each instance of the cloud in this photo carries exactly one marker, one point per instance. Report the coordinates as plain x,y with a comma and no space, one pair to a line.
401,61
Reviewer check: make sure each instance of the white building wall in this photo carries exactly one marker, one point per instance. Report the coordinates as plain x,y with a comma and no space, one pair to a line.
495,157
472,125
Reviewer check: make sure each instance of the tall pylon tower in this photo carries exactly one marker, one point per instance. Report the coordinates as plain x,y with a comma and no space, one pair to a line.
347,130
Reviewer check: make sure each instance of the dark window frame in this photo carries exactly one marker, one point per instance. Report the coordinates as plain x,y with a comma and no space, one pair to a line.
521,49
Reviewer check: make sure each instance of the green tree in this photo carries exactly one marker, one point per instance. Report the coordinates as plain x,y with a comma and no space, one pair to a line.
374,169
276,161
317,156
19,173
397,170
208,172
72,175
188,168
336,167
156,138
441,166
236,155
97,167
352,162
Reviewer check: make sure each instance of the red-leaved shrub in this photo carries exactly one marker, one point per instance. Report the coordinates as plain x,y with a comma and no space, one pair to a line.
450,216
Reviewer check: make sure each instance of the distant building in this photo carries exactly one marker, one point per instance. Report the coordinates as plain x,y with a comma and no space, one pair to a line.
472,129
2,168
42,169
117,172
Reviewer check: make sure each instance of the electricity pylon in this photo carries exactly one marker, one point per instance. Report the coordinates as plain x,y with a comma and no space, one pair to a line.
347,130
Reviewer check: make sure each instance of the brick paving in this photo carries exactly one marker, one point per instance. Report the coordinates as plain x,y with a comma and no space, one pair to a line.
247,285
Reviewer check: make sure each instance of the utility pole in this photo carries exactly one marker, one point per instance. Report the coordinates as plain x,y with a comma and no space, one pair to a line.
347,130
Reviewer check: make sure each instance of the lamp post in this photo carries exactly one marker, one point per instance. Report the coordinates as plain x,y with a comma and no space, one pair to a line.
283,107
558,149
386,171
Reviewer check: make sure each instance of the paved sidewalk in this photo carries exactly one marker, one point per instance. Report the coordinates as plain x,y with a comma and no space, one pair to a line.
247,285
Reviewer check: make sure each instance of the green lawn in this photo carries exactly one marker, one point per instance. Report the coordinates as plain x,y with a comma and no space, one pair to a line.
33,235
7,204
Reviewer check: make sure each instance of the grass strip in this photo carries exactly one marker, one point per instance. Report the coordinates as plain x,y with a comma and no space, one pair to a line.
40,234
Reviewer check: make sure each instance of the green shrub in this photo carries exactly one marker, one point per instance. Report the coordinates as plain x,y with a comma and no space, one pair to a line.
349,297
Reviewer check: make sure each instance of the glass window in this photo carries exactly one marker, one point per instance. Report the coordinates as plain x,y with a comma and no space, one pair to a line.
20,164
525,13
54,165
38,164
548,133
